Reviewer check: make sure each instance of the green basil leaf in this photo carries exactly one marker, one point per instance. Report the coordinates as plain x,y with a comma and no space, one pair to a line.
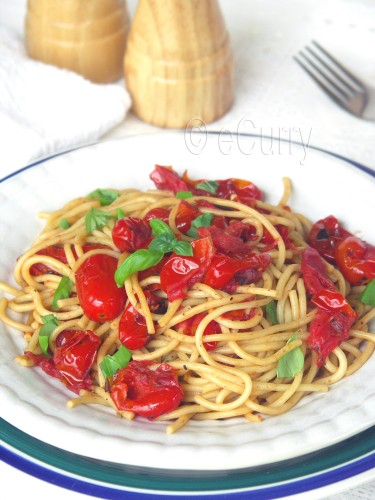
203,220
137,261
120,213
292,362
64,224
184,195
160,227
111,364
271,312
49,325
163,243
183,248
95,219
104,196
209,186
62,291
368,295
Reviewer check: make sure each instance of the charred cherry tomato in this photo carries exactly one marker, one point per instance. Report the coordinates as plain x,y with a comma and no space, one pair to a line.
131,233
57,252
269,242
331,301
356,260
314,272
231,239
225,270
133,332
354,257
157,213
75,354
72,360
327,331
166,178
189,327
179,273
246,192
325,235
146,392
334,316
186,213
99,296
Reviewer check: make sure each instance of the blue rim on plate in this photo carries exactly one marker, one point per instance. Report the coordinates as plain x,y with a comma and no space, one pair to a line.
330,465
302,474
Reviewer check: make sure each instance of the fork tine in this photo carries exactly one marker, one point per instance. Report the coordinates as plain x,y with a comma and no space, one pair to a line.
343,83
324,77
319,82
345,71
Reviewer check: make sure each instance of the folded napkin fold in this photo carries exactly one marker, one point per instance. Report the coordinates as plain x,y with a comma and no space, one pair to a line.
45,109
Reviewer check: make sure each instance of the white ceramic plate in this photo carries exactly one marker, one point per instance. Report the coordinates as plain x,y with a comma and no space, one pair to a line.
35,404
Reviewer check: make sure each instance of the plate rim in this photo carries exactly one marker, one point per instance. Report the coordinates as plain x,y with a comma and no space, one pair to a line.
349,161
355,163
330,465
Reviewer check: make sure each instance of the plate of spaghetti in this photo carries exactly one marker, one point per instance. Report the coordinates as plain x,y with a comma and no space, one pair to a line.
172,316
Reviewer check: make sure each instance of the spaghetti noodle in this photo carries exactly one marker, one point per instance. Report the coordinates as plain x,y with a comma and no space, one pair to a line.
226,331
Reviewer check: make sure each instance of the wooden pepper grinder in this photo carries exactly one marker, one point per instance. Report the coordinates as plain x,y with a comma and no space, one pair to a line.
178,63
86,36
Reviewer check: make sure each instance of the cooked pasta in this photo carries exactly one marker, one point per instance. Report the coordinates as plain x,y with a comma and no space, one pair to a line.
230,345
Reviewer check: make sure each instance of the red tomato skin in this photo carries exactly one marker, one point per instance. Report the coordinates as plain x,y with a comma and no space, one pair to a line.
186,213
245,191
356,260
75,354
157,213
146,392
189,327
131,233
314,272
327,331
333,301
223,269
166,178
133,332
231,239
334,316
99,296
325,235
72,361
57,252
240,314
179,273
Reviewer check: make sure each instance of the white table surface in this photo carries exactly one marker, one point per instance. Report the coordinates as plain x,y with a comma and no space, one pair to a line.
273,97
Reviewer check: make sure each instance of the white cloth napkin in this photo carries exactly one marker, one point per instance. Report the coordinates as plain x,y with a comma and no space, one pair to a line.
45,110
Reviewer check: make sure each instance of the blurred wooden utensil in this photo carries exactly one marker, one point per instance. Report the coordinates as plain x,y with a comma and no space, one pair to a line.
88,37
178,63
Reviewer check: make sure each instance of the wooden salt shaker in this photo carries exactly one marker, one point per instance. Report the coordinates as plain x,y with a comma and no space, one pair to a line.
86,36
178,63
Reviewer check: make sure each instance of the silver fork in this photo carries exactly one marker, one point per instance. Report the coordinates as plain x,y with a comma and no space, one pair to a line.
337,82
